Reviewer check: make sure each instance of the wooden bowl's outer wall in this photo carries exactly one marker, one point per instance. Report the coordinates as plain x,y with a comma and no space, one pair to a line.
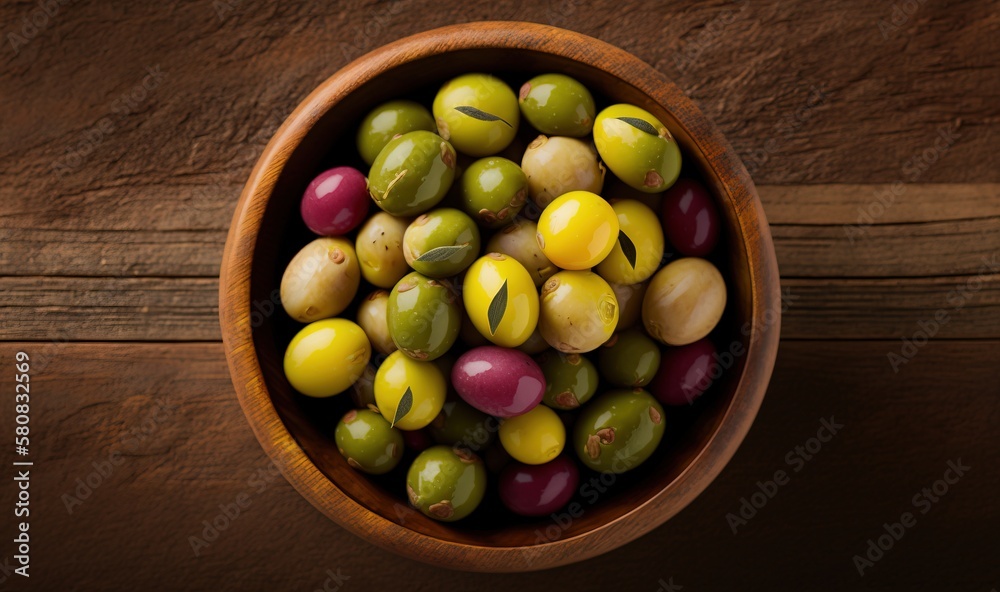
605,528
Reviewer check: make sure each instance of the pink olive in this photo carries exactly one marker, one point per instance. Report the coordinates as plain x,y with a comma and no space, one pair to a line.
690,218
685,373
498,381
336,201
537,490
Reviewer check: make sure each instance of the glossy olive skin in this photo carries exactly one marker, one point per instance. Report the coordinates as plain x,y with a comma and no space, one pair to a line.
368,442
379,246
412,173
685,373
326,357
472,135
321,280
647,162
535,437
483,282
684,301
373,317
557,105
577,230
460,424
629,359
425,382
690,218
493,191
518,240
642,227
539,490
557,165
424,316
443,227
499,381
446,484
335,202
629,303
577,311
570,379
387,121
618,430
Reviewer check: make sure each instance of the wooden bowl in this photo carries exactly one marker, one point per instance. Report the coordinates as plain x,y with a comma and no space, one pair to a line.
297,432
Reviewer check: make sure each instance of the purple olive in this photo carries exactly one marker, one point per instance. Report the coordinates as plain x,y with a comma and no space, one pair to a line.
690,218
498,381
336,201
537,490
685,373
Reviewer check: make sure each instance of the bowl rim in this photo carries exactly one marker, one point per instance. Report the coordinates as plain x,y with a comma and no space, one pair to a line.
325,495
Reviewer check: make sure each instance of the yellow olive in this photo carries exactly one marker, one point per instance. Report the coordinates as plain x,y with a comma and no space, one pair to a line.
372,317
637,148
498,283
321,280
518,241
399,374
578,311
558,165
326,357
629,303
380,249
684,301
641,234
577,230
535,437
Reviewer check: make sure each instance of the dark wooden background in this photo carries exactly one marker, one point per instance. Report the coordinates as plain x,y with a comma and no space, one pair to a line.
113,216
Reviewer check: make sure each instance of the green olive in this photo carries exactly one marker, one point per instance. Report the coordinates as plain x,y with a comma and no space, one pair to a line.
321,280
558,165
577,312
477,113
462,425
637,148
629,359
556,104
629,299
446,484
684,301
517,240
618,431
387,121
412,173
368,442
570,379
639,230
374,319
441,243
380,249
424,316
493,191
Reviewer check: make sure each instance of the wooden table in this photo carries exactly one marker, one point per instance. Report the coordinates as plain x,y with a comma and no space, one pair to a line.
127,130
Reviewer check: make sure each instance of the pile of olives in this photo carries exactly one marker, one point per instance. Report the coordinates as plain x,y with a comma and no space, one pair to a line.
528,319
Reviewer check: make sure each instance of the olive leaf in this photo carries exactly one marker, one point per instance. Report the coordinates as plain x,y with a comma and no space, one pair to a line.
628,247
497,308
640,124
480,115
442,253
405,402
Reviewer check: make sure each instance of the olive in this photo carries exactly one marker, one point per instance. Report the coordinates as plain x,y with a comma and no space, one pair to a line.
684,301
518,241
501,299
637,148
558,165
368,442
335,202
629,358
363,389
535,344
326,357
618,430
556,104
446,484
535,437
629,303
380,249
477,113
538,490
493,191
374,319
441,243
412,173
641,236
685,373
399,375
577,230
321,280
690,218
424,316
499,381
578,311
387,121
462,425
570,380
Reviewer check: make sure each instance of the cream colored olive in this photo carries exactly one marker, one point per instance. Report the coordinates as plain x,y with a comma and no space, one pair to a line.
558,165
684,301
518,241
629,298
380,249
373,318
321,280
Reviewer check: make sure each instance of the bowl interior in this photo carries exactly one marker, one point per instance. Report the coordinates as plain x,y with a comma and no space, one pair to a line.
330,142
